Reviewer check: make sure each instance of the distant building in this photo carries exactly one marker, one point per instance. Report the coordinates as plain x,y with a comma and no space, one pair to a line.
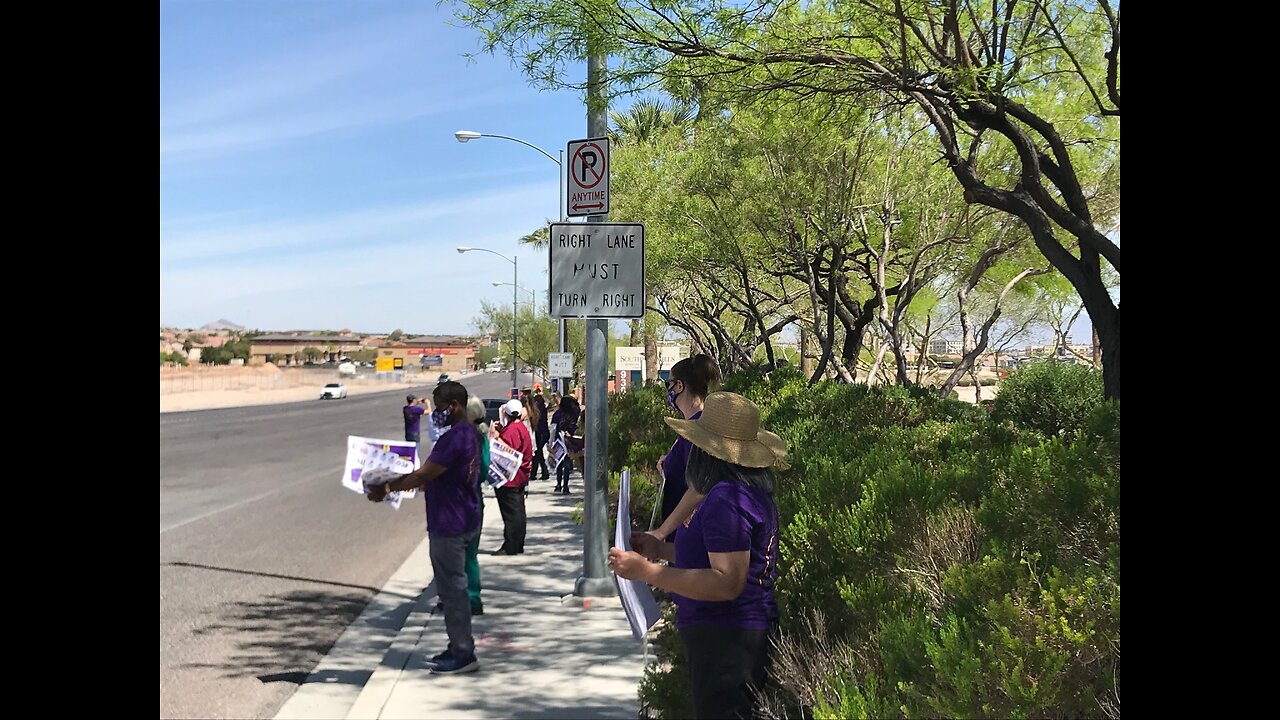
946,347
441,353
289,348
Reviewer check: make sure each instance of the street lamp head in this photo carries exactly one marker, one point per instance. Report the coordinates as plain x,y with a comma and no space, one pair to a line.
498,284
465,135
463,249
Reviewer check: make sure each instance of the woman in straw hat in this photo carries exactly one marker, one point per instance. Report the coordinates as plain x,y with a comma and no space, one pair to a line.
724,561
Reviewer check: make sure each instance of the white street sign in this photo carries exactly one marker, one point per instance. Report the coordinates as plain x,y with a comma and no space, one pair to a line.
597,270
560,364
588,172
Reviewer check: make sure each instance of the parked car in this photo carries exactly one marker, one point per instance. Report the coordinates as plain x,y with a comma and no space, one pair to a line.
492,408
444,377
493,369
333,390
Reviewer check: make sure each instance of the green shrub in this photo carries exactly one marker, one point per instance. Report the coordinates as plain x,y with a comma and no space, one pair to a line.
637,435
964,565
1051,398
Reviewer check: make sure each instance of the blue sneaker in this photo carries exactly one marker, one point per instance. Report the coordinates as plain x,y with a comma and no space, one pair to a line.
439,658
453,664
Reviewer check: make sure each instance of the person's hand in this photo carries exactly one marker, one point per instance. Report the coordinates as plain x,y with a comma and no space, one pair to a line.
646,544
376,493
660,461
629,565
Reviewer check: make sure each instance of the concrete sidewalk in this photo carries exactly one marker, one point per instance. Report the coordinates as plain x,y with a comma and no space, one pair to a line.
541,654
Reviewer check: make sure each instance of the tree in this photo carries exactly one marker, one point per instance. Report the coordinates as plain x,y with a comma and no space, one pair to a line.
487,354
537,331
312,353
395,335
1039,78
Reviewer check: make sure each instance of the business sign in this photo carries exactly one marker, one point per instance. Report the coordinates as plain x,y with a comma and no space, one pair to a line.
597,270
432,361
628,358
668,355
588,173
398,363
385,364
560,364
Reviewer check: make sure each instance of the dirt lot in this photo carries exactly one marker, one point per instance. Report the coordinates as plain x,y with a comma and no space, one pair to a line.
206,388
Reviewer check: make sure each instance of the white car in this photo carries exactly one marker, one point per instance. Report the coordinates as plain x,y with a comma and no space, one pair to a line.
333,390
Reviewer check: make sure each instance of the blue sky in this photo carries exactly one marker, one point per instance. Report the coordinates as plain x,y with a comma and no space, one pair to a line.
309,177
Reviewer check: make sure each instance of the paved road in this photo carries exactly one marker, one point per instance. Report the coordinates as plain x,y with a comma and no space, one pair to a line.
264,557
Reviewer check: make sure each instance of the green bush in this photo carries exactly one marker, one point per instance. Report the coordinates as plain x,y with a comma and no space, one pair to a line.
965,566
1051,398
637,435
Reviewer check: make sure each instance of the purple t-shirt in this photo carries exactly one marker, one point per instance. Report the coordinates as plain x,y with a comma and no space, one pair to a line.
673,470
412,414
453,502
731,518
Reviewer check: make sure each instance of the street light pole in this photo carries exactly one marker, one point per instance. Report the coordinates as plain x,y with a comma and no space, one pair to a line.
515,318
464,136
515,307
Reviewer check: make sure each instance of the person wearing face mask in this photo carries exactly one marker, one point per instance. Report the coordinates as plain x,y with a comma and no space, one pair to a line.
414,409
511,496
449,477
690,382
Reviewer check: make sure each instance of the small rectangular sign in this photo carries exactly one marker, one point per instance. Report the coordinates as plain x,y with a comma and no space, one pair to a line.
560,364
588,177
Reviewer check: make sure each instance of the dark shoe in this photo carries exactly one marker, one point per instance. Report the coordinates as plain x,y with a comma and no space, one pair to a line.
439,658
477,611
453,664
440,605
501,551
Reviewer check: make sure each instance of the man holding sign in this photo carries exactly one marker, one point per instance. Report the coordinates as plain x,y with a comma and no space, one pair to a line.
449,478
511,495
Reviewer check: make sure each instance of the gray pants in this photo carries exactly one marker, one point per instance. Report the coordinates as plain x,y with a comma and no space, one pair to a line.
448,564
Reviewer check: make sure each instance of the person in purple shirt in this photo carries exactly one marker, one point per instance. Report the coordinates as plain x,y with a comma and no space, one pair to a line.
414,409
723,564
449,478
688,385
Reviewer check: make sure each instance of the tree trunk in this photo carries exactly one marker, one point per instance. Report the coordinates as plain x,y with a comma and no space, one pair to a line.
651,357
806,366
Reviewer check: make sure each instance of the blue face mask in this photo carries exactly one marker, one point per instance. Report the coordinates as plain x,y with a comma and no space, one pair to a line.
436,426
671,399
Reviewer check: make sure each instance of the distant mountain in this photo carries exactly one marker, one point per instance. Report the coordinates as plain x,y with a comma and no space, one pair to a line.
222,324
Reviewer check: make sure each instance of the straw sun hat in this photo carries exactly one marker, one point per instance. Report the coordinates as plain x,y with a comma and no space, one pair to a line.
729,429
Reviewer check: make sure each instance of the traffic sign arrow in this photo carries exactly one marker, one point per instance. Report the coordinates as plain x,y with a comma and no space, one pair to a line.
583,207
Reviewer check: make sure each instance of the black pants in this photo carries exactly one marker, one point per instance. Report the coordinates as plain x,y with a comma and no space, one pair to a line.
538,460
511,504
562,473
726,668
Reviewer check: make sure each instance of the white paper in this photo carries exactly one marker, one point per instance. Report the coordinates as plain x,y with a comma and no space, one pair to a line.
372,461
557,453
504,463
637,599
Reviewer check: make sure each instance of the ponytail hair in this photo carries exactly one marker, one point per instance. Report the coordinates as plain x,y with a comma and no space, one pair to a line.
698,373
